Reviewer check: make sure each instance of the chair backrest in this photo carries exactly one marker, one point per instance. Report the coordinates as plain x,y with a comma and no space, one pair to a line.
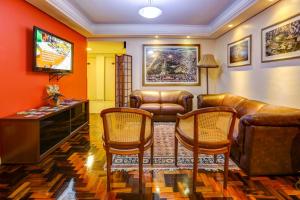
214,124
126,126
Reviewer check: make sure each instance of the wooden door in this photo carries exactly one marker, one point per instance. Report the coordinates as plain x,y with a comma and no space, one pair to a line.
123,80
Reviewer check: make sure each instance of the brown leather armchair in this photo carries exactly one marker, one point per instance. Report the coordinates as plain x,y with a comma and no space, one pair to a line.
266,138
163,104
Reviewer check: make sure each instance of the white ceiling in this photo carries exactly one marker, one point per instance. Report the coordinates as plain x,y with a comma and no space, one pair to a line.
119,18
188,12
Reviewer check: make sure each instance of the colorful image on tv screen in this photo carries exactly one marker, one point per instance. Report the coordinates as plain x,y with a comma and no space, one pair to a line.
52,52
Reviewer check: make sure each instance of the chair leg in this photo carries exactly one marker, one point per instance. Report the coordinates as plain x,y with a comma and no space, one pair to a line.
108,169
195,169
176,151
140,171
226,170
152,154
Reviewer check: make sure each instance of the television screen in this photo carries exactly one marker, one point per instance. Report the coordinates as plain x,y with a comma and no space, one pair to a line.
52,53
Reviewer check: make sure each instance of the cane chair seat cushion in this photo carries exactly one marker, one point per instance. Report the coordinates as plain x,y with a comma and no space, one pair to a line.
187,137
125,149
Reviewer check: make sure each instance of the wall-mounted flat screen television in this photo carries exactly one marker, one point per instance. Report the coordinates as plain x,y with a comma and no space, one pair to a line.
51,53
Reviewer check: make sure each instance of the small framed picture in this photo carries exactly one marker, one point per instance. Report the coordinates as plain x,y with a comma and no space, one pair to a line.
281,41
239,52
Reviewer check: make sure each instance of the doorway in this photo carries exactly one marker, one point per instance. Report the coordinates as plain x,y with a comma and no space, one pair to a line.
101,73
109,79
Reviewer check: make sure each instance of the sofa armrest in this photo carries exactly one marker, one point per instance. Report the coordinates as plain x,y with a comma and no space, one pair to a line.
275,120
269,143
136,99
209,100
186,100
269,150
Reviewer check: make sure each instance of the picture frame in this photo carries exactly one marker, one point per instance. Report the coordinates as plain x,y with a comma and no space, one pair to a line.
239,53
281,41
171,65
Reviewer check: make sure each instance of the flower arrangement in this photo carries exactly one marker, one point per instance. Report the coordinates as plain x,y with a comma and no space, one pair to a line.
54,94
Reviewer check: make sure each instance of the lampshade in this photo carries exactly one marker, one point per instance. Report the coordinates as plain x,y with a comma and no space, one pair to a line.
150,12
207,61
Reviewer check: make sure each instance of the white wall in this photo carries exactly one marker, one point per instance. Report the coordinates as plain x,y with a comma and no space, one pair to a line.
95,73
134,47
275,82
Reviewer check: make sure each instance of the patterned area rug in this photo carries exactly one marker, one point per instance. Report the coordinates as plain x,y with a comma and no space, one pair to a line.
164,154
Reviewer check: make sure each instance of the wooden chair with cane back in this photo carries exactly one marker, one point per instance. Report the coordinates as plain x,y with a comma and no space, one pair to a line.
206,131
127,131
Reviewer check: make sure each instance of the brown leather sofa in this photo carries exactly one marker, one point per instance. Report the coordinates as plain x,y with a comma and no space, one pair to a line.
266,137
163,104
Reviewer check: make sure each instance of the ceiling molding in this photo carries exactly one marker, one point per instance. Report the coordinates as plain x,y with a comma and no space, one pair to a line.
249,13
71,16
73,13
46,7
230,13
151,29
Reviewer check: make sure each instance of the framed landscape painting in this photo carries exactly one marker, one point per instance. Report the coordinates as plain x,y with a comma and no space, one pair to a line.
171,64
281,41
239,52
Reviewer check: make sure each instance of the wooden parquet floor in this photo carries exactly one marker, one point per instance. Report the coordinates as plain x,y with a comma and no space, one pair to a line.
75,171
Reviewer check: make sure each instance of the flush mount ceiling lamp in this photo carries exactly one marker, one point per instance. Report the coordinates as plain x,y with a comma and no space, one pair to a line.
150,11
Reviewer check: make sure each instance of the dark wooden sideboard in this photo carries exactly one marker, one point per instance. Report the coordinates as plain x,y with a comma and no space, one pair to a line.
29,139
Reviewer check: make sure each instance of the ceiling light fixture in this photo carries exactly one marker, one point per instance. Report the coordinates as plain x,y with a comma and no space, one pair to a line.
150,11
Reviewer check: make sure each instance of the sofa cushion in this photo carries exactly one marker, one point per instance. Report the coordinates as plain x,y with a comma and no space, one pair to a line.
169,96
249,107
232,100
151,96
171,109
151,107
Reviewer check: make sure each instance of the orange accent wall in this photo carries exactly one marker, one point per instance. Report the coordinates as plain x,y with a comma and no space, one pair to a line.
20,88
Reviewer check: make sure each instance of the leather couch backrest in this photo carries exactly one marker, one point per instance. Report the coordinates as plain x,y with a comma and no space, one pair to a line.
249,107
232,100
150,96
169,96
211,100
278,110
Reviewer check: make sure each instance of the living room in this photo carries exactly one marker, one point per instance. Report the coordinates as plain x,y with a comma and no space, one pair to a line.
190,100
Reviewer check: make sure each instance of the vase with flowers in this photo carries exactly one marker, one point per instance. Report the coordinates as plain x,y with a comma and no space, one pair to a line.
54,95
